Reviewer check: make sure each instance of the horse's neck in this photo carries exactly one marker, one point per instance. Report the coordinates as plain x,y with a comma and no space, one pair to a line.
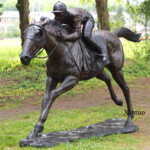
52,42
51,39
53,47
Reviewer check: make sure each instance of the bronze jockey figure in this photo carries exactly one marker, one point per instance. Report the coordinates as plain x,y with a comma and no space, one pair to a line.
75,18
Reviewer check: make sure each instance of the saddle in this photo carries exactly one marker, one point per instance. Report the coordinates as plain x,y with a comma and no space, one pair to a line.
92,61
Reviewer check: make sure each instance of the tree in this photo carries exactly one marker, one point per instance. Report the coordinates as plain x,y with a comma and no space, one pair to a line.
1,5
23,8
133,11
139,12
9,5
103,15
117,19
145,14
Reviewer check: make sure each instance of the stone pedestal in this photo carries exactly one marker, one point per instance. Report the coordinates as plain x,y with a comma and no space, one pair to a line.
110,126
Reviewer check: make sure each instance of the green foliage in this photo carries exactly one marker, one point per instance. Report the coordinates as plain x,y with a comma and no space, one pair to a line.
9,5
133,10
138,69
87,1
17,5
137,51
90,5
113,5
145,7
117,20
9,54
47,5
1,5
144,12
12,31
139,55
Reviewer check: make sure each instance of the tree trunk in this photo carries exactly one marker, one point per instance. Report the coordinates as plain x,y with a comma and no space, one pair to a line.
103,15
23,8
1,5
146,24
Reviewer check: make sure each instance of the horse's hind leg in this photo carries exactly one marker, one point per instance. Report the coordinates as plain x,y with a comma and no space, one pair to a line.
105,77
119,78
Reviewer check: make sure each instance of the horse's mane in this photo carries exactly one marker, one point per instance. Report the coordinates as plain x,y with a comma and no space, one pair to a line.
58,26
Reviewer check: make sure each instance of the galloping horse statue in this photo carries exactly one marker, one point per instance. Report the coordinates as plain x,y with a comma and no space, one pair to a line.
70,62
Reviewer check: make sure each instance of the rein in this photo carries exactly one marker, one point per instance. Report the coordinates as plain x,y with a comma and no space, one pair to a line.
31,37
59,34
36,56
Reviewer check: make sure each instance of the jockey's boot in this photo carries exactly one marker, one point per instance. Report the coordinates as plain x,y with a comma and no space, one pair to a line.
101,48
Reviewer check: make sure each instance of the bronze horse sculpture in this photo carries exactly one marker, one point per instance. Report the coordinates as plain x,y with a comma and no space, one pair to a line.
64,68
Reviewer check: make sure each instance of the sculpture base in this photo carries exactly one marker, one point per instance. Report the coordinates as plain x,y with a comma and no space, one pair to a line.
110,126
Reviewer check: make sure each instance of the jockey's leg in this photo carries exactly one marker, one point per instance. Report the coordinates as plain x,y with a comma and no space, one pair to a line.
100,46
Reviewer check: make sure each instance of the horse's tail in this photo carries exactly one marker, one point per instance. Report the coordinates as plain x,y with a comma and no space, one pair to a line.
127,34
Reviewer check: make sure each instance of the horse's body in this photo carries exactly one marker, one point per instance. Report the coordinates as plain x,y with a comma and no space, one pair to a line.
65,64
66,67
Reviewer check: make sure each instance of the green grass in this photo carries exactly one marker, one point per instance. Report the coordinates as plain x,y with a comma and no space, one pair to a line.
12,131
105,143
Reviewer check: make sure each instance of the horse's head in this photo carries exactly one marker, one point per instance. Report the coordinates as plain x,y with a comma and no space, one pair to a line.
34,40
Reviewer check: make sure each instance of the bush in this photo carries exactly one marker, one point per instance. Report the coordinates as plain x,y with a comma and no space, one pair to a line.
13,31
139,54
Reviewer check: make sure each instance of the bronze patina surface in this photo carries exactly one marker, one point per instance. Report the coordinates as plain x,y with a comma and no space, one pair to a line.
70,62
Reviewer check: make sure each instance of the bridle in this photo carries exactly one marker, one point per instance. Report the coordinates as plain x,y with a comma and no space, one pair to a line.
40,42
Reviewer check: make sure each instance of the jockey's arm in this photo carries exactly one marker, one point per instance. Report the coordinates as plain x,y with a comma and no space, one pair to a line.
77,30
45,22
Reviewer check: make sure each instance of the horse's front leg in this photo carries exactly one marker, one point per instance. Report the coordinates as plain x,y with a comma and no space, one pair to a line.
50,85
68,83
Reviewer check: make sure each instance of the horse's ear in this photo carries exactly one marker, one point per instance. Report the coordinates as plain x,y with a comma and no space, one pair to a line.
33,21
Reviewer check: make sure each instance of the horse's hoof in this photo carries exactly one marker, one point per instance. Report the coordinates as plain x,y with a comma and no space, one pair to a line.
38,128
128,124
32,135
119,102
